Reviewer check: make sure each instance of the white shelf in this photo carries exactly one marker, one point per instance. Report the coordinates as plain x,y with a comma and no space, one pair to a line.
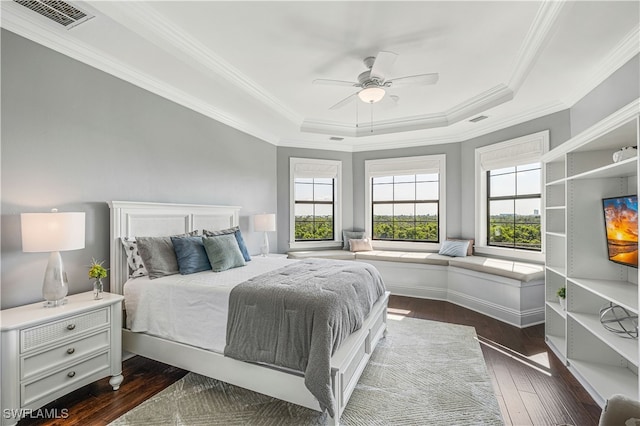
621,293
557,208
557,308
623,168
560,270
558,344
628,348
557,234
606,379
556,182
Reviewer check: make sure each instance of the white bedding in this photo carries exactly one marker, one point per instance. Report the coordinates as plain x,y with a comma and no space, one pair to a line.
190,309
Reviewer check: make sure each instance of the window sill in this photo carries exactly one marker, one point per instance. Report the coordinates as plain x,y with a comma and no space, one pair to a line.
523,255
307,245
404,245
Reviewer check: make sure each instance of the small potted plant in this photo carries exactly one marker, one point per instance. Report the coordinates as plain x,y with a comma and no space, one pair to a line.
562,297
97,272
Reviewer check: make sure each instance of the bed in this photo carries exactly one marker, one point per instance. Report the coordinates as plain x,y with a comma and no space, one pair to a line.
130,219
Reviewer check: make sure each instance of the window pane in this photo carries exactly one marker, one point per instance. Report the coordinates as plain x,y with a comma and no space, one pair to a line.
383,179
431,177
303,180
427,191
403,210
323,210
323,230
502,185
404,231
325,181
501,209
404,178
502,171
531,166
529,182
405,191
304,211
382,230
501,234
383,210
427,231
303,192
323,193
529,208
383,192
527,236
426,209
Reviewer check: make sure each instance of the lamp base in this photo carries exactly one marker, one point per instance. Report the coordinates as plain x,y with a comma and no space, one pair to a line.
55,286
264,248
55,303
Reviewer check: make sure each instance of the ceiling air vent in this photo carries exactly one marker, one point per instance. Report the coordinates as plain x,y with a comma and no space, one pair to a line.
478,118
336,138
58,11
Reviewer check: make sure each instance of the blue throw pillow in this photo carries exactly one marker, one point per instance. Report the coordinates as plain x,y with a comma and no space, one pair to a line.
191,255
454,248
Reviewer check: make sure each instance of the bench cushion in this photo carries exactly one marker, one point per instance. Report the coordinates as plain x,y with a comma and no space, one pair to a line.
507,268
325,254
404,256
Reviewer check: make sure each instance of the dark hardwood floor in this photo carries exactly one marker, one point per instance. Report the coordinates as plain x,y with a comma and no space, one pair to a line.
532,386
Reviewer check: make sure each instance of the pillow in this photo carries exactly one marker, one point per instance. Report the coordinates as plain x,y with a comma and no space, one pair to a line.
351,235
190,254
469,249
236,232
134,260
158,256
223,252
360,245
454,248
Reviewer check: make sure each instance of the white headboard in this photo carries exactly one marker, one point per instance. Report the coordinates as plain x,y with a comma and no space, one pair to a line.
130,219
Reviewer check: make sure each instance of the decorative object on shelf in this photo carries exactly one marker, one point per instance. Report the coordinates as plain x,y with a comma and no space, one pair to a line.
621,227
264,223
562,297
620,321
53,232
625,153
97,272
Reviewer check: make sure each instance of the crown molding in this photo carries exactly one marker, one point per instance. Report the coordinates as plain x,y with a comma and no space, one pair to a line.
62,42
620,55
162,32
537,37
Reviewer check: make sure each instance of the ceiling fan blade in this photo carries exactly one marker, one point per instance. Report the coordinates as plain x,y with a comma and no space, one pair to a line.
382,65
335,82
345,101
416,80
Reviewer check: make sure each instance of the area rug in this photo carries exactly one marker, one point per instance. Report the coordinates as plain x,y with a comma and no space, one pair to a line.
422,373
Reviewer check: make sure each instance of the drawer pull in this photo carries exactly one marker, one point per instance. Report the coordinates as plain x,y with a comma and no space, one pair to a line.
71,373
71,326
71,350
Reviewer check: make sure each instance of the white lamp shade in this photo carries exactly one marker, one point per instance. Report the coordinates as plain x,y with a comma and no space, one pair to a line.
371,94
46,232
264,222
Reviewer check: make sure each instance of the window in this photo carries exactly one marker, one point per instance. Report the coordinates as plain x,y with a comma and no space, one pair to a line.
405,201
509,181
315,202
513,205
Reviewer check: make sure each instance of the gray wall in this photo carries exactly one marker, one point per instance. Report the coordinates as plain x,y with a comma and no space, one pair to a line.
74,137
284,154
622,87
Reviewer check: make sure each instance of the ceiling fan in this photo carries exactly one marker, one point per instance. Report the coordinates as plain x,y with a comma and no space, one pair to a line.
374,82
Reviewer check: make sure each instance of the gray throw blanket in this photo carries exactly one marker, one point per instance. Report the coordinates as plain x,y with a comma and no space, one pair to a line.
297,316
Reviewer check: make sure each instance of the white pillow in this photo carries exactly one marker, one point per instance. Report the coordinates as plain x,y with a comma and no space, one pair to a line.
360,245
454,248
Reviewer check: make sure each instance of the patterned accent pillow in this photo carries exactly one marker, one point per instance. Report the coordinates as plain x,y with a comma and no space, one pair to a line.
134,260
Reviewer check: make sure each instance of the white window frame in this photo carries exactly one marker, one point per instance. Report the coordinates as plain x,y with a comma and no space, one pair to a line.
514,152
406,166
317,168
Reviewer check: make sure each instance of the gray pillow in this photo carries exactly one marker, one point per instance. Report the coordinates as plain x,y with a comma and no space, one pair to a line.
223,252
351,235
158,255
235,231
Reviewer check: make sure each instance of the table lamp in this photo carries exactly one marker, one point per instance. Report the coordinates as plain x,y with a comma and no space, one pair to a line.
264,223
53,232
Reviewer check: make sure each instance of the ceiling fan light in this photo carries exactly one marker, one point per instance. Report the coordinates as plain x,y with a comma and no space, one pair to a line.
371,95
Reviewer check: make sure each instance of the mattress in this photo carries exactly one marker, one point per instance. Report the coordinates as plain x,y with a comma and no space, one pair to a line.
190,309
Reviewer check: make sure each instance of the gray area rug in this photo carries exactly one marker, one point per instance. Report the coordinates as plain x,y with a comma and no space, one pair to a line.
422,373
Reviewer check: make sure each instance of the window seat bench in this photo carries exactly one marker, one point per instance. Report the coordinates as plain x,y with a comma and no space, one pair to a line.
511,291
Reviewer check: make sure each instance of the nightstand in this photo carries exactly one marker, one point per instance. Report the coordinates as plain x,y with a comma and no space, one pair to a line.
48,352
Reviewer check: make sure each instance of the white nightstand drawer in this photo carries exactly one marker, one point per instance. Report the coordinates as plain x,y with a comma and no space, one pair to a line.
63,379
68,352
46,334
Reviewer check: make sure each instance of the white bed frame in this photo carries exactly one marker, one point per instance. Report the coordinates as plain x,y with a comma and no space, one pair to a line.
129,219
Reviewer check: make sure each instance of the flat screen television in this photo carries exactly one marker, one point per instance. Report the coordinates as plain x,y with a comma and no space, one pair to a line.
621,227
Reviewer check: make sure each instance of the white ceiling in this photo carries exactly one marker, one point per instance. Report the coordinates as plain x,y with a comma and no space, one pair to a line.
251,64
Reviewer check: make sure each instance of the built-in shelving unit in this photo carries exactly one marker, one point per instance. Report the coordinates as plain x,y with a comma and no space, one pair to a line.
578,175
